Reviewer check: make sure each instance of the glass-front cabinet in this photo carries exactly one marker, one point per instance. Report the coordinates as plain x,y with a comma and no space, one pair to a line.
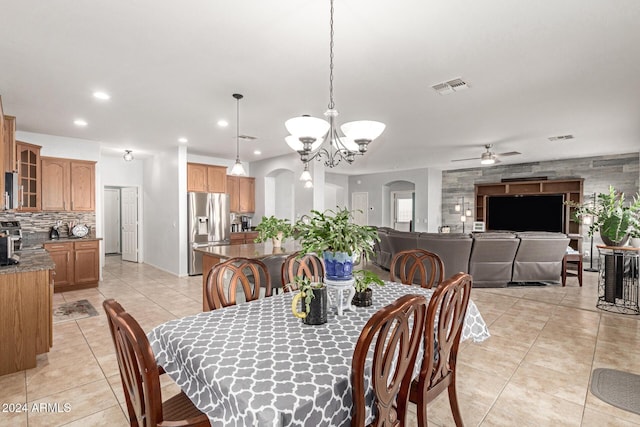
28,159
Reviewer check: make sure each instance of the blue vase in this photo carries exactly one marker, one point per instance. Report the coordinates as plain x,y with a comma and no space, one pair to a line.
338,265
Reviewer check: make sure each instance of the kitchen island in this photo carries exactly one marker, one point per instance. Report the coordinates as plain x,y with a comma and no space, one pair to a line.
212,255
26,311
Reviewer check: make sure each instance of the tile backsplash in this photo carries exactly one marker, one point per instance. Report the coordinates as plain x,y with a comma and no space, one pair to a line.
36,223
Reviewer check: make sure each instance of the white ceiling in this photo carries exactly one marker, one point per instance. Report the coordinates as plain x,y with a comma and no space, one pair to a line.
535,69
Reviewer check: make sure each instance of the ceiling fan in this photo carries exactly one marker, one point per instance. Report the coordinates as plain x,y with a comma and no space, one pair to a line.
489,157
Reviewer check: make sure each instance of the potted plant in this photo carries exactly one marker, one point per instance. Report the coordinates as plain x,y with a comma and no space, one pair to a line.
314,302
338,238
275,229
634,233
363,281
610,216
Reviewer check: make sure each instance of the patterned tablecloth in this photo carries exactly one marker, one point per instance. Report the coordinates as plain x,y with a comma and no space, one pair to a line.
255,364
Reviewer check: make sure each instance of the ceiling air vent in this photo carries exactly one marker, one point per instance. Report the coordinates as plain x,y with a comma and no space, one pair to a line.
454,85
247,137
560,137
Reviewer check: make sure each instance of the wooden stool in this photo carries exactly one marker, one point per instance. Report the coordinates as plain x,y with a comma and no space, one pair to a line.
575,259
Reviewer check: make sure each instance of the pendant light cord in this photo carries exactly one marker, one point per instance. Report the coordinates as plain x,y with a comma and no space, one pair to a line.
238,97
331,103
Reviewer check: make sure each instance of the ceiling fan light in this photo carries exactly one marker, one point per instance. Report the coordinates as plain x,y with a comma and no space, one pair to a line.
307,127
308,184
128,155
363,129
487,161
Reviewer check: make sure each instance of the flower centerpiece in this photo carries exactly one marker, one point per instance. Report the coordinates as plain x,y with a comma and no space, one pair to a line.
338,238
610,216
275,229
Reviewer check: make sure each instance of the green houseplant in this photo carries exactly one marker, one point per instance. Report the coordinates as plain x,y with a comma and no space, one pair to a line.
364,279
338,238
275,229
609,215
314,297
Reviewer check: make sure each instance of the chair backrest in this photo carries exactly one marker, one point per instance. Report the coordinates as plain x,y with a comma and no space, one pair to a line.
227,278
307,266
138,368
417,266
274,266
396,348
442,333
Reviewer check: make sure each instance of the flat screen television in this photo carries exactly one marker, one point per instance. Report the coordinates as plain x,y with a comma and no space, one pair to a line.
526,213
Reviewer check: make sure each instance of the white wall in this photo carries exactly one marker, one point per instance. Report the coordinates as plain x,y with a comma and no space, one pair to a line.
164,210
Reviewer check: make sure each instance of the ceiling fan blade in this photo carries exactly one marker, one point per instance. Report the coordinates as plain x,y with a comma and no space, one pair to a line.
464,160
509,153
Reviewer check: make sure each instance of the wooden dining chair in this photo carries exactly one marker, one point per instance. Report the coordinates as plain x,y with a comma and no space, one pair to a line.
307,266
274,265
140,373
442,332
226,279
398,332
417,266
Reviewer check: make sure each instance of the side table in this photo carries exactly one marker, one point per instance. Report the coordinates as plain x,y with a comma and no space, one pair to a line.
618,279
575,259
336,291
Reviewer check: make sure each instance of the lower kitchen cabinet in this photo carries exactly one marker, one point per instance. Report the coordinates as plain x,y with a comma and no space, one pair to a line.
77,264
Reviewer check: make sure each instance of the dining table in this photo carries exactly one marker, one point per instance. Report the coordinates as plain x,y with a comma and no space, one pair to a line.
255,364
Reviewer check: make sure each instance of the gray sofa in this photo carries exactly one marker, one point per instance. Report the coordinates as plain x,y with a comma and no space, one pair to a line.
494,259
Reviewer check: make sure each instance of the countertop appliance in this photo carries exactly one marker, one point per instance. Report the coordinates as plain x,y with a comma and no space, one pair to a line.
209,225
13,230
246,223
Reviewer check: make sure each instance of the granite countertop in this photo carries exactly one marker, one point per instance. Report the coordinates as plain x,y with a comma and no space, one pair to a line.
37,244
32,260
250,250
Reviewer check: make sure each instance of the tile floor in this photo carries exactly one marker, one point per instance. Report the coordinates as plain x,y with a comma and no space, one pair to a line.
533,371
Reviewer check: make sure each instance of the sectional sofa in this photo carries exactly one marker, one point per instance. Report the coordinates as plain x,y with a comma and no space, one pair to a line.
494,259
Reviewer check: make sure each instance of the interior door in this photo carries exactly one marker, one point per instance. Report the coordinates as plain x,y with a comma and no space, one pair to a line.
129,209
402,210
111,221
360,207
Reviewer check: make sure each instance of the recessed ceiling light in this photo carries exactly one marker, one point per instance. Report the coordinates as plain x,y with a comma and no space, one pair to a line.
80,122
257,152
101,95
223,123
183,140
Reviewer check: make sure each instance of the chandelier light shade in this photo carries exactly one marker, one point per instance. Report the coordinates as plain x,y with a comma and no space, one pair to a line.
306,175
237,168
315,138
308,184
128,155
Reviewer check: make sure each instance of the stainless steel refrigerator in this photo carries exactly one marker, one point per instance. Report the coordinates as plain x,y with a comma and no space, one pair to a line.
209,225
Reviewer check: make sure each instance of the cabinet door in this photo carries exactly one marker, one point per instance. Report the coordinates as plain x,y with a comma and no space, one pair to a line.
55,184
196,177
28,176
61,253
233,189
247,195
217,179
83,186
86,262
9,143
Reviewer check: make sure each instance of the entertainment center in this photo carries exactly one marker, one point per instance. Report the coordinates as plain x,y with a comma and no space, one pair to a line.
531,205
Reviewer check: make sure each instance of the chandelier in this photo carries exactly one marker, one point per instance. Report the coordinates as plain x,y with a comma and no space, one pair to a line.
315,138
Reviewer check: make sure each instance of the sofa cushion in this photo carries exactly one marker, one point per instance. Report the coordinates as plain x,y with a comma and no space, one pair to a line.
453,249
491,260
539,259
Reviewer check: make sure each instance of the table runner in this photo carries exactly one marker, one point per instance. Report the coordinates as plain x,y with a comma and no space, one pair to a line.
255,364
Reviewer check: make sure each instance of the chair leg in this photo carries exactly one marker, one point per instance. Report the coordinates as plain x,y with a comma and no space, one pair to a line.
453,402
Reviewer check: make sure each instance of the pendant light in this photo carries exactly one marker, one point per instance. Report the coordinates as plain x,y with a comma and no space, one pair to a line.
237,168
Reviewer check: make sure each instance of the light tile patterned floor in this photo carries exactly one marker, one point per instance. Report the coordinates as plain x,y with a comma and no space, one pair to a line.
533,371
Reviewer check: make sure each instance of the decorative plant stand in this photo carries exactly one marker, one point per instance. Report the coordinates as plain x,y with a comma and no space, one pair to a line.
340,293
618,279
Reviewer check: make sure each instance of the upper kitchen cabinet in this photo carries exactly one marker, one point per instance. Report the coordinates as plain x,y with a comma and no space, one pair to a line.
9,144
68,185
206,178
242,194
28,156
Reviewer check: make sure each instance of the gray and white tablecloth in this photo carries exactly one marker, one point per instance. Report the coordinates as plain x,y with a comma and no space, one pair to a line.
255,364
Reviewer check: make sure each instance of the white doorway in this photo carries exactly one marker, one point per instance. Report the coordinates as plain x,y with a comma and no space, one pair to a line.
121,222
402,210
360,208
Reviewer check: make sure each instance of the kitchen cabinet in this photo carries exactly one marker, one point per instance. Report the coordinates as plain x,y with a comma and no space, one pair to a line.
242,238
67,185
28,156
242,194
9,144
2,141
206,178
77,264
